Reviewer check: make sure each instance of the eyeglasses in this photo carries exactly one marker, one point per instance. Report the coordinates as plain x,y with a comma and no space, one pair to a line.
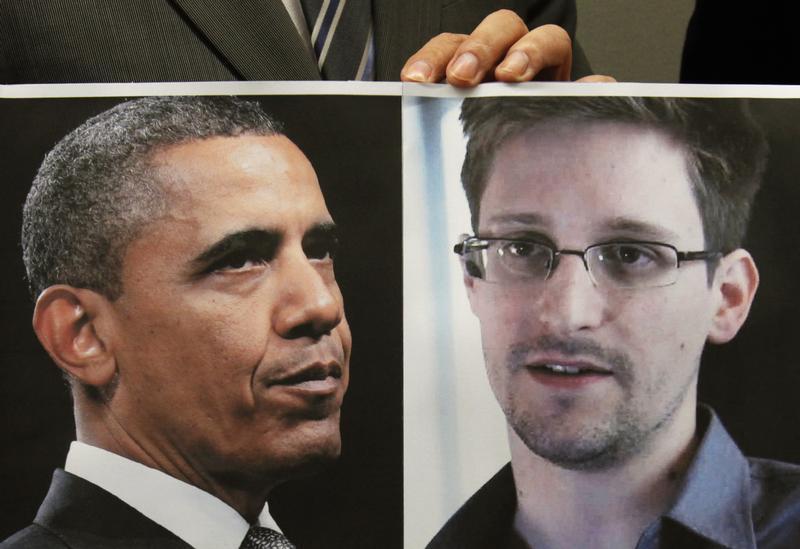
629,264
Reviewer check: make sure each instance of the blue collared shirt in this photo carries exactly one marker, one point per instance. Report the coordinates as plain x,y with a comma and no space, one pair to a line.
730,500
726,501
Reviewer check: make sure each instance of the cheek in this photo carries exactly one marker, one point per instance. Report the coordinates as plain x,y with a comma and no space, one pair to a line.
680,321
195,338
646,325
663,337
225,332
500,328
502,319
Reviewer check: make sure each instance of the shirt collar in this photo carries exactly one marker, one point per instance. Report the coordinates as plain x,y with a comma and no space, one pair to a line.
715,499
198,518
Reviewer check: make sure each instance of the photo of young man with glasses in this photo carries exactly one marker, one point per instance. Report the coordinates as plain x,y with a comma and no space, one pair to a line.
606,253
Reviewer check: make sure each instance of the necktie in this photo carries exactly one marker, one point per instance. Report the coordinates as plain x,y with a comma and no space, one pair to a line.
341,33
264,538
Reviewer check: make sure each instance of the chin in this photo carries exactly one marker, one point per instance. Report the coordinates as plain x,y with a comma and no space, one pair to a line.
310,461
308,448
580,445
294,451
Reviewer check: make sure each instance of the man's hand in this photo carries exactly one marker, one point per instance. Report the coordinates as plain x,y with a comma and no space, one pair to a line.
500,48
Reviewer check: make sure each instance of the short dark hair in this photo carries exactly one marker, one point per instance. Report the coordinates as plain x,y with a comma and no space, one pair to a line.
725,149
96,189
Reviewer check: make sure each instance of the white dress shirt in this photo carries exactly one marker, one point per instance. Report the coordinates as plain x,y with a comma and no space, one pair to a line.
195,516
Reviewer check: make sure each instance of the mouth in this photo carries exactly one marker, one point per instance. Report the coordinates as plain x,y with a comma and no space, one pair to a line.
315,379
567,373
558,368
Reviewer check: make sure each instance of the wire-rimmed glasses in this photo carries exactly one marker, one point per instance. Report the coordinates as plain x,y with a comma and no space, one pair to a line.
622,264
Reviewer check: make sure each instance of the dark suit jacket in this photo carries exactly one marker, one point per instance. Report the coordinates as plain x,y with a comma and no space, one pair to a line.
79,515
192,40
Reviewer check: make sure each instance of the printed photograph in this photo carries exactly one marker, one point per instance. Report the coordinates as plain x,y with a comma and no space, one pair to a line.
203,321
600,305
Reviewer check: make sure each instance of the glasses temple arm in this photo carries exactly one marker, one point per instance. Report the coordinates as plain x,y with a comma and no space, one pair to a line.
698,256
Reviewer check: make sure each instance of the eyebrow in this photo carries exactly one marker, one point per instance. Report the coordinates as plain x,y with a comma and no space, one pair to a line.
640,229
326,229
636,228
257,239
519,218
240,240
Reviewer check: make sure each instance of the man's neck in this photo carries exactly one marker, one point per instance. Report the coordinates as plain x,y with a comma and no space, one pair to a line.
560,508
97,426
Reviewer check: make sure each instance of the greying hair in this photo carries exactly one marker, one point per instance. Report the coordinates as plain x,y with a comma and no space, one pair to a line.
96,189
725,149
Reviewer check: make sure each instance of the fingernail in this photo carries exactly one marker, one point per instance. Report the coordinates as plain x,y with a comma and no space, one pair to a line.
516,62
465,67
419,71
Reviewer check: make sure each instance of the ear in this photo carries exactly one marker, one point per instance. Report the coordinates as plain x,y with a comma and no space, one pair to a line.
73,325
735,284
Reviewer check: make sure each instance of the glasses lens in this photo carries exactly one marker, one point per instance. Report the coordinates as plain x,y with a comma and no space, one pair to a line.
517,260
633,264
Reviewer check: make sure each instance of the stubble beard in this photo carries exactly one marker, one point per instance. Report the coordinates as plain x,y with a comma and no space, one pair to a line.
595,445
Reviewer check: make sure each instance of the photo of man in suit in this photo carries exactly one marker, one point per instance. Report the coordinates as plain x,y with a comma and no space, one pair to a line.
181,255
606,254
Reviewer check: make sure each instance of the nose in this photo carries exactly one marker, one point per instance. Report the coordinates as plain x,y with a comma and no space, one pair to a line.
310,304
568,300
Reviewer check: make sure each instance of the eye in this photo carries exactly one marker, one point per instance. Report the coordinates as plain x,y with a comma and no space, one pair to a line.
628,254
322,248
518,249
522,249
633,256
524,257
240,261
